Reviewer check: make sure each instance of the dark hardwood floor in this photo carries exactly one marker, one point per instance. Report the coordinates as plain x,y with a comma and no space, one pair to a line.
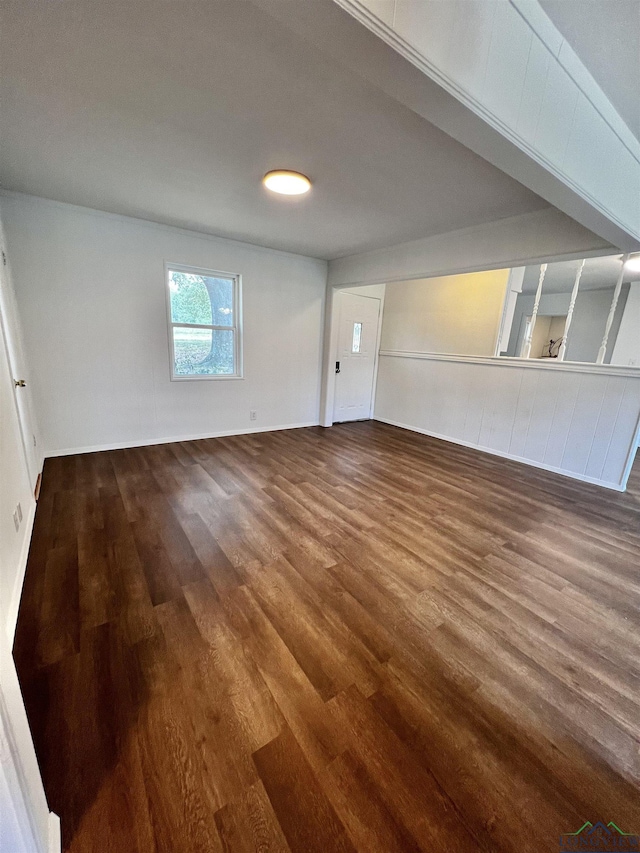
355,639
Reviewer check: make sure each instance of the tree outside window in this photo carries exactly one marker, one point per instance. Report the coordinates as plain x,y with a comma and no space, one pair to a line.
204,323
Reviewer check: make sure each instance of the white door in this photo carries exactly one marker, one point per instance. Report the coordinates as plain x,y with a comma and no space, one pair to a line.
358,322
15,357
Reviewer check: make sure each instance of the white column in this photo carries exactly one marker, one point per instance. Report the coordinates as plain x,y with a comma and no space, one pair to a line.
614,304
514,289
526,344
572,305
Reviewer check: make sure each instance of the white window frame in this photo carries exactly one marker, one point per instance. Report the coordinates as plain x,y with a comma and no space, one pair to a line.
236,328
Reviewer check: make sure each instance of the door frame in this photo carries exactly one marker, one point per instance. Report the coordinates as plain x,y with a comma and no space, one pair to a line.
331,323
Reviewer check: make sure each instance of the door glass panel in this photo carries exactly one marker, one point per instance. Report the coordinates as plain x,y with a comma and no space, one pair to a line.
357,336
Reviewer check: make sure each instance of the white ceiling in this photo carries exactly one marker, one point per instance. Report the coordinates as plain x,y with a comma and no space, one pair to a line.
173,111
606,36
598,273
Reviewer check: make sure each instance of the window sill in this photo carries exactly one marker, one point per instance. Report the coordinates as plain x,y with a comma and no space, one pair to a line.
206,378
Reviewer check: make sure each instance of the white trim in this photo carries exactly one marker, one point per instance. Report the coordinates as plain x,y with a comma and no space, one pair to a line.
55,835
554,470
197,376
528,363
123,445
16,592
236,328
376,364
513,289
545,29
328,372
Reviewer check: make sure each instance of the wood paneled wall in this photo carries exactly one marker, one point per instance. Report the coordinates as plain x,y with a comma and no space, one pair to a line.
581,421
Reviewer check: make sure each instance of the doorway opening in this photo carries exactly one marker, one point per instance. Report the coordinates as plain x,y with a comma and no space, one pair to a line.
547,335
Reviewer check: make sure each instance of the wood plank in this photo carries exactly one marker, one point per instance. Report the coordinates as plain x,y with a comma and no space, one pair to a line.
334,640
306,816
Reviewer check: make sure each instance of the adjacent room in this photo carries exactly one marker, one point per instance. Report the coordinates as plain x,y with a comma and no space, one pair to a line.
319,426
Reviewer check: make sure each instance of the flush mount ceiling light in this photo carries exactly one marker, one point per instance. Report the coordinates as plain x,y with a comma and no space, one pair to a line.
286,183
633,263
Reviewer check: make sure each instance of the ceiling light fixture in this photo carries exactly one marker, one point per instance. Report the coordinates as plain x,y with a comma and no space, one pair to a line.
286,183
633,263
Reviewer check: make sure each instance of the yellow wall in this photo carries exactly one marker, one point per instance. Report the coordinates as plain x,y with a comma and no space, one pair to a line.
455,314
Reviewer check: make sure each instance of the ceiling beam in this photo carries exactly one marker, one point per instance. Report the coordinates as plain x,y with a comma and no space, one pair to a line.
516,105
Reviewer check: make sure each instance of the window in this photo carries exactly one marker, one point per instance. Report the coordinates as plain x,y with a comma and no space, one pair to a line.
357,337
204,323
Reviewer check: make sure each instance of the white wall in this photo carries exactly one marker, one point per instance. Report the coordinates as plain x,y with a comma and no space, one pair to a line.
576,420
627,343
91,294
545,235
376,290
587,325
437,376
452,314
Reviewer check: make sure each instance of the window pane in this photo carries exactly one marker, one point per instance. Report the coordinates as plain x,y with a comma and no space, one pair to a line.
202,352
357,335
201,299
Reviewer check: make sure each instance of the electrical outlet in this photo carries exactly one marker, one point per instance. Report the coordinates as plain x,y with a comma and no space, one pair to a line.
253,415
16,521
19,511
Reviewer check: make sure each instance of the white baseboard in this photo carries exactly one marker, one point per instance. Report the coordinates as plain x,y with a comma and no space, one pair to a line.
553,469
55,835
16,592
147,442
